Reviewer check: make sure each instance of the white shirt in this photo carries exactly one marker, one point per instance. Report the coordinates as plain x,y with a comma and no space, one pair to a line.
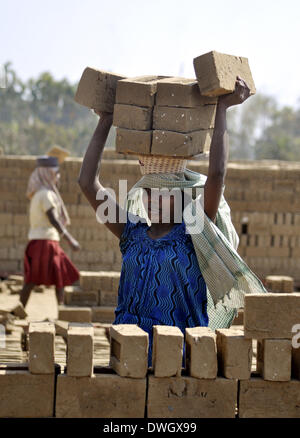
40,226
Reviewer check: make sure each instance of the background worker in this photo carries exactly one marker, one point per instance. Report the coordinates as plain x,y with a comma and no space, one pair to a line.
45,262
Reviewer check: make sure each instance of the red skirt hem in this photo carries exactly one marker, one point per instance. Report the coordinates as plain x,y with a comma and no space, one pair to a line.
45,263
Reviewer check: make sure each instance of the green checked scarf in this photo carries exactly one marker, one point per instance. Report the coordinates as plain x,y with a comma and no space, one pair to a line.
227,276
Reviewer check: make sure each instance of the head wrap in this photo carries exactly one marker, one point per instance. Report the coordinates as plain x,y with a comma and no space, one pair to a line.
46,161
44,176
227,276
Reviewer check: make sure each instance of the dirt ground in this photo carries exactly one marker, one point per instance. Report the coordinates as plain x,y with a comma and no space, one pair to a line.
42,306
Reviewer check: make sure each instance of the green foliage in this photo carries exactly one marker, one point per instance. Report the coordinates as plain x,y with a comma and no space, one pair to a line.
259,129
42,112
281,140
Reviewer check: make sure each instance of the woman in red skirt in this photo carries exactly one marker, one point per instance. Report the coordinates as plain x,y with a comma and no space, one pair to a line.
45,263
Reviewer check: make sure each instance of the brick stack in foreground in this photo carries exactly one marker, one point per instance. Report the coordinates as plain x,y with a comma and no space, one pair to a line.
217,380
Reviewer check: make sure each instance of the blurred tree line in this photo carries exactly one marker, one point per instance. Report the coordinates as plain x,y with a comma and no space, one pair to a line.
39,113
261,129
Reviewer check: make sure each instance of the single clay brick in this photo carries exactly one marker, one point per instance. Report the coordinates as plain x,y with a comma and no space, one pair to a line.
176,144
98,280
188,397
80,349
271,315
105,395
181,92
103,314
132,141
274,283
184,119
61,328
201,353
26,395
139,91
132,117
234,354
167,351
19,311
274,359
129,350
74,314
81,298
41,347
287,284
216,73
108,298
97,89
260,398
18,279
280,283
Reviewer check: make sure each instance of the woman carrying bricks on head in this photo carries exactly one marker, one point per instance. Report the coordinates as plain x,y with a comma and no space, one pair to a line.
45,263
172,273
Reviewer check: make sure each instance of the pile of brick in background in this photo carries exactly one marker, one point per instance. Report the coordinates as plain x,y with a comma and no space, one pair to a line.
263,197
93,300
11,321
96,297
218,379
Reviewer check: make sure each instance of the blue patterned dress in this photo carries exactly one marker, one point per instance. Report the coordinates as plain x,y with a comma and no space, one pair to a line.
161,282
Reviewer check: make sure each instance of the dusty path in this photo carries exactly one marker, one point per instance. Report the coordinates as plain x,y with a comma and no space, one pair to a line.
41,305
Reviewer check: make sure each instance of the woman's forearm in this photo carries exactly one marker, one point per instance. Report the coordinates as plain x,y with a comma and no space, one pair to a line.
93,155
219,149
55,222
218,154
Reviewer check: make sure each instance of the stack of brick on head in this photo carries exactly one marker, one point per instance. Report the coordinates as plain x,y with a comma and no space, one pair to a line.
184,272
45,262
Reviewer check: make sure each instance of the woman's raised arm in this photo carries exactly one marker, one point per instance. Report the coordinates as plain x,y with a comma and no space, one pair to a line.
218,155
88,178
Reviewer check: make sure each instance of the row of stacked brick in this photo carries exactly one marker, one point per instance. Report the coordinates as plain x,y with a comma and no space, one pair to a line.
273,234
173,119
216,382
94,300
215,362
166,116
96,297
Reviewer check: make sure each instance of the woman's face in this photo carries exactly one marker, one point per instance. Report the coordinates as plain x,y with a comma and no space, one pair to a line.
163,206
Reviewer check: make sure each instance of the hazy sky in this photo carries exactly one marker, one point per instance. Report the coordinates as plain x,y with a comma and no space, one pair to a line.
135,37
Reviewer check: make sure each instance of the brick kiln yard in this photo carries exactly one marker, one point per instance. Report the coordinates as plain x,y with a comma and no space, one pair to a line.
265,207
